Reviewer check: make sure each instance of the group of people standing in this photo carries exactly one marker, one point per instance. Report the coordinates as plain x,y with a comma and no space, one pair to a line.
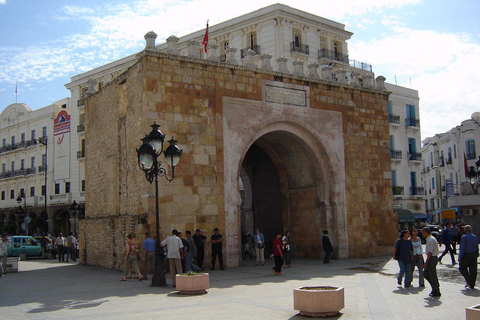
408,253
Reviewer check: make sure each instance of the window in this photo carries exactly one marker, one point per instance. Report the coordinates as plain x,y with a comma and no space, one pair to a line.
44,190
23,137
32,134
413,179
390,111
12,194
450,154
83,185
44,131
431,159
4,143
392,143
67,187
337,50
4,167
3,195
32,191
22,193
426,204
22,164
13,165
297,40
57,188
32,162
455,151
394,178
433,183
323,43
13,140
470,149
432,204
44,159
456,177
81,118
411,111
412,146
252,40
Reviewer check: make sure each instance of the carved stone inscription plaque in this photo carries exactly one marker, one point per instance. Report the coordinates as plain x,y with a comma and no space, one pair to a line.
288,96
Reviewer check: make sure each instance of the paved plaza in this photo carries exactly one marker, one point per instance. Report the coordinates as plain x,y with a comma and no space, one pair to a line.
46,289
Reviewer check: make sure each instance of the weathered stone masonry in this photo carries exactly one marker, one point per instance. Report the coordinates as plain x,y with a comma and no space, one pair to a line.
344,127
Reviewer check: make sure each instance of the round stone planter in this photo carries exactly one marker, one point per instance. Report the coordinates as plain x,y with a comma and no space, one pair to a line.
473,313
195,283
319,301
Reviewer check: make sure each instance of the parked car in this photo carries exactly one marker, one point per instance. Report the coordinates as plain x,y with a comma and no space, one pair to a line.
24,245
436,231
49,243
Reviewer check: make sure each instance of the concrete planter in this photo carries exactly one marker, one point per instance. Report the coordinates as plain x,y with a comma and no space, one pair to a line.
319,301
473,313
195,283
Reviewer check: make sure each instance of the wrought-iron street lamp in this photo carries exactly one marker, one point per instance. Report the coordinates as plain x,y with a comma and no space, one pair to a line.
474,176
22,196
148,154
44,140
73,211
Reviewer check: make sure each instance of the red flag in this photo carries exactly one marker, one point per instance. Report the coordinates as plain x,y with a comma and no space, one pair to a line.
205,39
465,164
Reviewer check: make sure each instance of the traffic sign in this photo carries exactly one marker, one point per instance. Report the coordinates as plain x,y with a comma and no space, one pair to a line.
24,226
28,220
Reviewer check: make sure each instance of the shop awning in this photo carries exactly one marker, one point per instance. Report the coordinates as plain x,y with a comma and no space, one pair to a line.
419,215
404,215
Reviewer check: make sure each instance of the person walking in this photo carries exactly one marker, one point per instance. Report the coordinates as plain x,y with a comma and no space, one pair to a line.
71,247
61,247
185,251
454,230
417,256
217,240
4,244
430,265
467,257
446,239
192,253
174,254
278,254
131,259
259,240
287,249
148,254
403,253
199,239
327,246
43,245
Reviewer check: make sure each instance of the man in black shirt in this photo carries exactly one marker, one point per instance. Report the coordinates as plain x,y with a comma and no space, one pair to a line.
199,239
186,250
217,240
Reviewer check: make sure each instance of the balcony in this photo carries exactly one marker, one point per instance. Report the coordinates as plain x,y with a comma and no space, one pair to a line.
411,122
81,154
332,55
42,168
361,65
393,118
17,173
18,145
396,154
299,47
80,128
415,156
243,52
397,191
417,191
80,103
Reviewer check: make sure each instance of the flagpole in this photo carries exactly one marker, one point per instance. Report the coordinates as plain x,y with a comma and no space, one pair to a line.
16,92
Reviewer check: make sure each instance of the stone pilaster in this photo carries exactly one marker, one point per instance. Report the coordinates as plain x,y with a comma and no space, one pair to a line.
368,81
212,52
354,78
312,70
282,65
380,82
341,73
192,47
172,42
248,61
150,41
230,55
298,68
327,73
266,58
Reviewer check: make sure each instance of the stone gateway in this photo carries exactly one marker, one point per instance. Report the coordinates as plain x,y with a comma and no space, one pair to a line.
261,149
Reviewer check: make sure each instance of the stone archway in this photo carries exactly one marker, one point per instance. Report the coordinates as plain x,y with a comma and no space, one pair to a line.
61,222
289,135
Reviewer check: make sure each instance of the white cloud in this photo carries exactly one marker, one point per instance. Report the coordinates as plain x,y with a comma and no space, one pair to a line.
441,67
3,1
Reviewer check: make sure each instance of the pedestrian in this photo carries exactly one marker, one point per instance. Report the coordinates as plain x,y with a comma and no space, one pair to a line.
430,265
174,254
259,240
217,240
61,247
454,230
192,253
417,256
70,244
4,244
278,254
287,249
467,257
327,246
185,251
148,254
199,239
403,253
446,239
43,245
131,259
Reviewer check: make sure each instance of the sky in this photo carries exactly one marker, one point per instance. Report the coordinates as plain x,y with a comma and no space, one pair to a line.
432,46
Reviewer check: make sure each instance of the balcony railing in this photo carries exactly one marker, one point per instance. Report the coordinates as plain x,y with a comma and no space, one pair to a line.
80,103
417,191
361,65
80,128
42,168
397,191
16,173
393,118
80,154
18,145
412,122
396,154
243,52
299,47
332,55
415,156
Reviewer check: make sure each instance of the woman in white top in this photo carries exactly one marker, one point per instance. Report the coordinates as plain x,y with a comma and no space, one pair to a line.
417,256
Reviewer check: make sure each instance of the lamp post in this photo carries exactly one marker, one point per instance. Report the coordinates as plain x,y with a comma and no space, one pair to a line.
21,195
73,211
473,176
44,141
148,155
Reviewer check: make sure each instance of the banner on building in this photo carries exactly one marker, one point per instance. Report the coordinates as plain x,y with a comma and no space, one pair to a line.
449,188
61,133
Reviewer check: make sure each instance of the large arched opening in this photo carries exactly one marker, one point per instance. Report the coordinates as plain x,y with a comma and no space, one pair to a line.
61,222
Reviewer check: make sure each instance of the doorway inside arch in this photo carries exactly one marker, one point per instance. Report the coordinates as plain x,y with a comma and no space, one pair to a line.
61,222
